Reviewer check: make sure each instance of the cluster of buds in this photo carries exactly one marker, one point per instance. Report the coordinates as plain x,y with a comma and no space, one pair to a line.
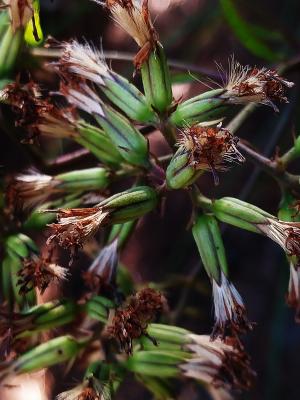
230,313
131,322
202,148
181,353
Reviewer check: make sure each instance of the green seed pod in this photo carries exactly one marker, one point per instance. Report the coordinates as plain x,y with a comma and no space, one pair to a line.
10,45
156,79
45,355
131,204
203,108
128,98
84,179
17,247
98,308
121,232
240,214
172,335
180,173
51,315
208,238
149,362
132,145
99,143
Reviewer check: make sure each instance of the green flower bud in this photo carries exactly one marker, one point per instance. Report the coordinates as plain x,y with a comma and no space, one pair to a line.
180,173
45,355
77,225
10,45
98,308
150,362
132,145
156,79
85,179
238,213
203,108
229,308
121,232
128,98
98,143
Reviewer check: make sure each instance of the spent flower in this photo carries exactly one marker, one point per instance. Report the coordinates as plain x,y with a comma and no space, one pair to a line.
39,272
131,321
245,84
210,148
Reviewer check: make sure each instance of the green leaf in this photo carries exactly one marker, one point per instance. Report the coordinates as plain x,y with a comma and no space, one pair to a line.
250,36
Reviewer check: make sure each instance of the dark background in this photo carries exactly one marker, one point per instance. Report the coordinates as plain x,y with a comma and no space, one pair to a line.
201,33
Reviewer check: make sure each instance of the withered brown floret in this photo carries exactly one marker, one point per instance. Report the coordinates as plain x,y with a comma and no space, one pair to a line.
39,272
131,322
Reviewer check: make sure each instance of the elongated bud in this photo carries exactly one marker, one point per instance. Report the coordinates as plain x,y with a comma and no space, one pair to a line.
149,362
45,355
180,173
89,63
75,226
121,232
208,106
98,308
32,189
131,144
230,313
254,219
10,46
85,179
99,143
44,317
17,247
156,79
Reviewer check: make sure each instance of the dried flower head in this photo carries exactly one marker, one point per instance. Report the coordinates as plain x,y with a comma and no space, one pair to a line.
82,60
76,225
293,296
286,234
29,190
134,17
217,363
246,84
230,312
27,103
131,321
210,148
39,272
20,11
